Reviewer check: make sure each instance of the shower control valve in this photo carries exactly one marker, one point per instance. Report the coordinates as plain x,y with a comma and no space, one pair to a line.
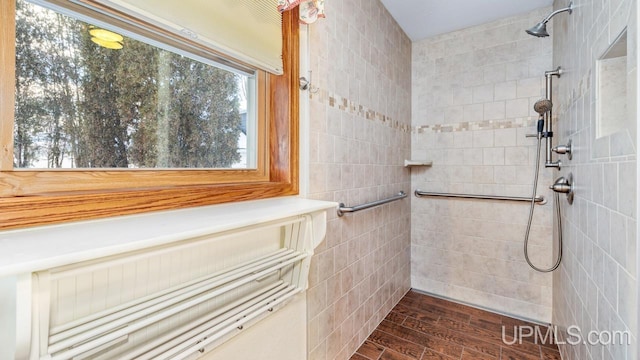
564,149
564,186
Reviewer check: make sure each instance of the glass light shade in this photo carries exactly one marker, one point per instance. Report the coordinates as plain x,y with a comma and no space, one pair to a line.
107,44
105,35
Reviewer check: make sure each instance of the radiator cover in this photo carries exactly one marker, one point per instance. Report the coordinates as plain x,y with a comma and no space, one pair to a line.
222,294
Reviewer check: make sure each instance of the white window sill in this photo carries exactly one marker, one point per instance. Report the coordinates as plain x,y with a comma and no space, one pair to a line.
33,249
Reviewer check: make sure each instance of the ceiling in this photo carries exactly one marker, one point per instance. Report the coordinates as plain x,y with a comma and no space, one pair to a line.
424,18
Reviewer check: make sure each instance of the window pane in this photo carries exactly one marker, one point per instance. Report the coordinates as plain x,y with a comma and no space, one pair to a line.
90,98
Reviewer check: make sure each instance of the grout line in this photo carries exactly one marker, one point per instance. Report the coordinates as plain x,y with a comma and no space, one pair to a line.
405,319
407,340
423,351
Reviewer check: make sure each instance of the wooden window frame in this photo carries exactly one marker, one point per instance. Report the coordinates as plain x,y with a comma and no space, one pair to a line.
30,198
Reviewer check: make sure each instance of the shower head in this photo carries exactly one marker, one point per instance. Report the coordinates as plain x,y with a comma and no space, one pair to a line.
542,106
540,29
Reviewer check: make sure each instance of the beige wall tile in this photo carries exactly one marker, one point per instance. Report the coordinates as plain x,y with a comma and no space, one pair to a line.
494,110
531,87
493,156
483,93
357,154
516,108
505,90
505,137
473,112
516,156
596,283
483,139
471,250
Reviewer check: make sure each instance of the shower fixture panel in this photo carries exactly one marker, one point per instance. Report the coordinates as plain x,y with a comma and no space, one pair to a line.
544,107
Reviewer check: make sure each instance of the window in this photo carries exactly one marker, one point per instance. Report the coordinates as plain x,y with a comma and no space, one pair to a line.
105,124
88,97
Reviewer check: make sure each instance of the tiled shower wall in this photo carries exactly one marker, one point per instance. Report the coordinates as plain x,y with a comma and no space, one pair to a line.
473,92
595,289
359,138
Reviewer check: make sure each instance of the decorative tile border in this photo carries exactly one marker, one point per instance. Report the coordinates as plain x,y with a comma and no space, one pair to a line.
478,125
344,104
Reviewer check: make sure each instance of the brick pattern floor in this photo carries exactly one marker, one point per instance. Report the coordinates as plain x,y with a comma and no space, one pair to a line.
427,328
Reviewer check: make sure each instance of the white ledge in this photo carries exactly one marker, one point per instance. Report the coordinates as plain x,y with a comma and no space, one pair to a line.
33,249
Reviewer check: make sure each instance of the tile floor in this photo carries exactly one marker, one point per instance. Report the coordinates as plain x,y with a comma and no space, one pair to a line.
428,328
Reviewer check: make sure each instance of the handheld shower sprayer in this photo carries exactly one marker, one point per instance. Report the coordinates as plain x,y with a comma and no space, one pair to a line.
542,107
540,29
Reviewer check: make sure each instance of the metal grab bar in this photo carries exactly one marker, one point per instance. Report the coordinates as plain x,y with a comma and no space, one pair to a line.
540,200
342,208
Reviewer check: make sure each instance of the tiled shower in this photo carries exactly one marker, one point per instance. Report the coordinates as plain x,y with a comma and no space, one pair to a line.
464,100
473,96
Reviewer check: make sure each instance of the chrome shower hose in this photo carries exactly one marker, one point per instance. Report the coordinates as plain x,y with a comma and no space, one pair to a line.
558,218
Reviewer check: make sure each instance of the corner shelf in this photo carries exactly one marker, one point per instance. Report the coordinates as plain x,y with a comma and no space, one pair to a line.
417,163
